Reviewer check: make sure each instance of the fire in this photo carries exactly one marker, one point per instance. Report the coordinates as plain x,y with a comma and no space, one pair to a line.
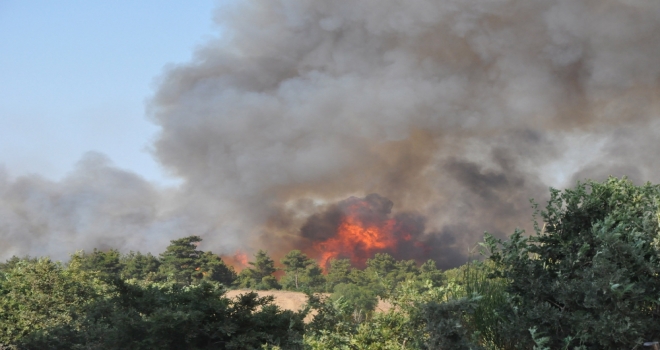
358,228
241,258
360,234
238,261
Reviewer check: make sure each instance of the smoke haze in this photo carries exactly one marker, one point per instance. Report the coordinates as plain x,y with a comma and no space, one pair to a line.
455,111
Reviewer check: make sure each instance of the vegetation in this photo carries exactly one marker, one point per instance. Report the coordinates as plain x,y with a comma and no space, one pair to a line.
586,278
260,276
302,273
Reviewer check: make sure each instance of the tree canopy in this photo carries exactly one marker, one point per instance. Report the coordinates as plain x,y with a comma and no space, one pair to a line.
183,263
588,276
260,275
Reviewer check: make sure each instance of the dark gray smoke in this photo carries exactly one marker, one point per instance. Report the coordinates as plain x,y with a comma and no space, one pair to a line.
457,110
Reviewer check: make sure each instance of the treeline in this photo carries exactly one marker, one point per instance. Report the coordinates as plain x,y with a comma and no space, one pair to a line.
176,300
182,263
46,305
587,278
380,276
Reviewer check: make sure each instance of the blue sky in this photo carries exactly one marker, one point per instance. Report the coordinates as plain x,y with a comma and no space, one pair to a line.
76,74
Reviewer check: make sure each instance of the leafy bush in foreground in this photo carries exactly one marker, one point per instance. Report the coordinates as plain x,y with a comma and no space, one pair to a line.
44,305
36,294
589,276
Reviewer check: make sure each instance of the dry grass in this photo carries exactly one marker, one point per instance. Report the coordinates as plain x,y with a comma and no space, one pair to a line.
294,301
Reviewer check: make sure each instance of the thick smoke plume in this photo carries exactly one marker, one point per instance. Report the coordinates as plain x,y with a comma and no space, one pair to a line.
458,111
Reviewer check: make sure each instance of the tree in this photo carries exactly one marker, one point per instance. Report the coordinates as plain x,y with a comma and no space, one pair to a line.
313,278
214,269
405,270
339,272
36,295
429,272
362,300
382,264
263,265
588,277
183,263
139,266
105,262
48,305
381,274
260,276
14,260
295,263
181,259
171,316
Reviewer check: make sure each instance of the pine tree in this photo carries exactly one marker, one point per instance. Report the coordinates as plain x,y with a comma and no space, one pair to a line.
260,276
339,272
139,266
295,263
106,262
183,263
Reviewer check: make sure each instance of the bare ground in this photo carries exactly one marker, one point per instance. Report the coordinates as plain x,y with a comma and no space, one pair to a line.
294,301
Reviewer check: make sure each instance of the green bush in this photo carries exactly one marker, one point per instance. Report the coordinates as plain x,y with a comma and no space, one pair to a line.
39,294
361,300
480,301
588,277
45,305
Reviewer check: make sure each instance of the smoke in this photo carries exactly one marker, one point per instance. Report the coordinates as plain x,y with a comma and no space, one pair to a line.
96,205
458,111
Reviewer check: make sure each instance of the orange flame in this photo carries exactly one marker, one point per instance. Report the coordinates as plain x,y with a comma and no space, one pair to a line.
238,261
241,258
356,239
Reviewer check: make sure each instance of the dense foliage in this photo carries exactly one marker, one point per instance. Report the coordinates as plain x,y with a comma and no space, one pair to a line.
587,278
105,300
301,272
260,275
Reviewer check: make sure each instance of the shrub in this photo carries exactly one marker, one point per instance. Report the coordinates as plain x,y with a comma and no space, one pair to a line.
588,277
361,300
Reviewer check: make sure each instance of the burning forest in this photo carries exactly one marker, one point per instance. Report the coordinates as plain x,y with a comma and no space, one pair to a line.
365,147
357,228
